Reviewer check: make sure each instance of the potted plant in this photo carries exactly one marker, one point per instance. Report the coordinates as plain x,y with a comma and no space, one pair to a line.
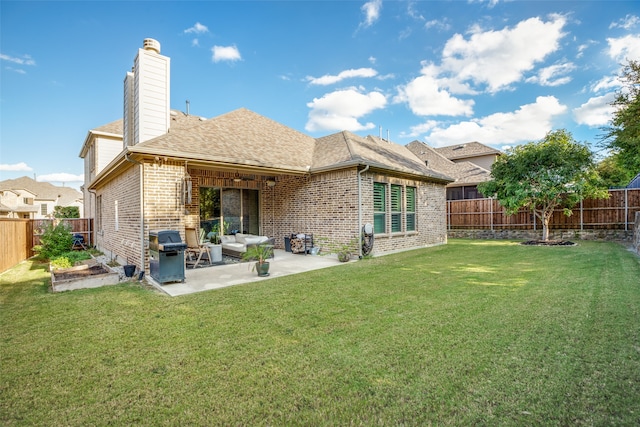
260,254
342,250
215,240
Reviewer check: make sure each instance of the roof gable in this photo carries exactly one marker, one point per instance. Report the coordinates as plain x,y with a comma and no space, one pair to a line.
345,148
469,149
239,137
463,172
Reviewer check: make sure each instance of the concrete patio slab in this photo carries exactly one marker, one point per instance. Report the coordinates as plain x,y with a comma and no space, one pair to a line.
221,276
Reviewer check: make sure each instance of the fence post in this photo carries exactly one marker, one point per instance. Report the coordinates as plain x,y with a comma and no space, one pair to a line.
491,211
581,216
626,209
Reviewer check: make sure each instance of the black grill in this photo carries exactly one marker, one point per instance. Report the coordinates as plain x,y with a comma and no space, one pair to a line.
166,256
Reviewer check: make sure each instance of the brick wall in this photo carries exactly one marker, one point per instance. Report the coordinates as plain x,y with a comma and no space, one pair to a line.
325,205
119,237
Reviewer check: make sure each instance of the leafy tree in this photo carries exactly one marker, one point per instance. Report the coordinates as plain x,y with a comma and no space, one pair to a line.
552,173
66,212
612,173
623,136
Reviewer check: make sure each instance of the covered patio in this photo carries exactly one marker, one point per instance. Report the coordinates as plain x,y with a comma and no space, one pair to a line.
220,276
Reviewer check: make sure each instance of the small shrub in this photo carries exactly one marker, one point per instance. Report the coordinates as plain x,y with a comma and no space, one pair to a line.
61,262
55,240
69,259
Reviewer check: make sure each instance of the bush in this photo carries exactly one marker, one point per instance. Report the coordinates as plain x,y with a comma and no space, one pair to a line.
69,259
55,240
61,262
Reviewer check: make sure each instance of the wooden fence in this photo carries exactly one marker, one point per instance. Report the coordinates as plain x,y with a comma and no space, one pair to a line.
15,241
615,213
19,236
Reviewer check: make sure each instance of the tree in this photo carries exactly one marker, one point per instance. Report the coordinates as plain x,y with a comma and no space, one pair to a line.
66,212
612,173
552,173
623,136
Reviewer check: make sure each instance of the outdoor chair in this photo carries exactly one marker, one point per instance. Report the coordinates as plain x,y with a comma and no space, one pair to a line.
195,249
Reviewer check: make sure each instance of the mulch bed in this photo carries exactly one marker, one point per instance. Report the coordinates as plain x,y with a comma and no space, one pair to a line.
77,274
548,243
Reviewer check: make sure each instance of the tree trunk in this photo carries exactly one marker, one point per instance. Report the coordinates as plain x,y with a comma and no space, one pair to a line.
546,218
545,229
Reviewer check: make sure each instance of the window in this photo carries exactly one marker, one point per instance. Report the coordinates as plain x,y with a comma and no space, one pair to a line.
396,208
43,209
379,208
99,213
401,208
411,208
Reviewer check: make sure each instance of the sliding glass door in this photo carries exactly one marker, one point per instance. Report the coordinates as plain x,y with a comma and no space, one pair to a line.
238,207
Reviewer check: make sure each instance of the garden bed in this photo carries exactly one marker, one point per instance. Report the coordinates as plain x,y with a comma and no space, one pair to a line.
83,277
549,243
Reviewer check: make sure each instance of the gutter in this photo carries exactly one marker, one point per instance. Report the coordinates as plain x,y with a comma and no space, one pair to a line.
360,172
142,264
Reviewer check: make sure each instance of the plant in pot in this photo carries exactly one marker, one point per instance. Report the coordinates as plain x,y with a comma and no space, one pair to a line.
260,254
342,250
215,240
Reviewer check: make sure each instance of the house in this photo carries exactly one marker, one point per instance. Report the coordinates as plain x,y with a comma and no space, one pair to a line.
176,171
27,198
474,152
467,175
635,182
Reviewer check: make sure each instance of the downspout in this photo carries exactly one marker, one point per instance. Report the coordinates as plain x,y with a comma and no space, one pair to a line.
142,264
366,168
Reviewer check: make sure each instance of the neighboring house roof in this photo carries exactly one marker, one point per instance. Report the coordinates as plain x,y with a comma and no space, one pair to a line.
465,173
635,182
43,190
469,149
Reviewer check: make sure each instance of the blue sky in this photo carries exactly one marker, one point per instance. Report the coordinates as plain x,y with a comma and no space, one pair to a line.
444,72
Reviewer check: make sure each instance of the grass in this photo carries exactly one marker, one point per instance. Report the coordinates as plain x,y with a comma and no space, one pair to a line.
471,333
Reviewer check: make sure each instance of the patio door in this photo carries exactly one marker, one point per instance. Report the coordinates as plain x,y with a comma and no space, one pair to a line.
237,206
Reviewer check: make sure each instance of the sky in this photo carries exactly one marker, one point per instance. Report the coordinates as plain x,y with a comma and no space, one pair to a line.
498,72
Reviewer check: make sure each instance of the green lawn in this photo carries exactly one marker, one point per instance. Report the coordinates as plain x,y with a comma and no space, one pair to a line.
471,333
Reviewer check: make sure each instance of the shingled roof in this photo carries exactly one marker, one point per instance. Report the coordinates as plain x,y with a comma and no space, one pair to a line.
240,137
345,148
243,138
466,150
43,190
464,172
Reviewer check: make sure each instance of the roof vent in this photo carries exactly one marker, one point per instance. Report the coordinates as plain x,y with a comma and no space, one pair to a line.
151,44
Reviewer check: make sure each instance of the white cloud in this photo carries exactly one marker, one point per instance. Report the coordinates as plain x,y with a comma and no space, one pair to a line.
61,177
530,122
195,42
198,28
371,10
624,48
328,79
342,109
554,75
597,111
627,22
225,53
25,60
15,167
606,83
500,58
441,25
426,98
